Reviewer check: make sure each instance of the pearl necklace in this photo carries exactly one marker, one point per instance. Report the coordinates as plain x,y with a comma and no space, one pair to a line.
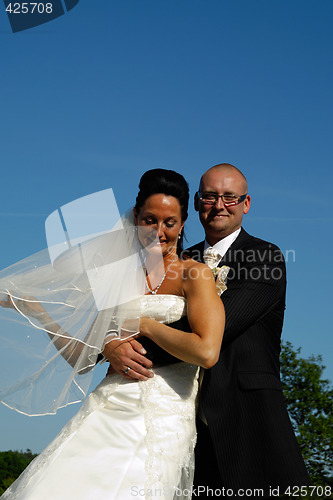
155,290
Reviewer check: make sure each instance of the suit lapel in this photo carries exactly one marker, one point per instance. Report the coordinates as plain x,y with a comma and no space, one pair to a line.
238,244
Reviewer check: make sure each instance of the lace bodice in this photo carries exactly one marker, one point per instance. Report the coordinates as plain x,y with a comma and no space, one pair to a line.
169,309
163,308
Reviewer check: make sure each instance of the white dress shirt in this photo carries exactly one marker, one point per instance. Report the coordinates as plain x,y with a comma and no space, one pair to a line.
223,245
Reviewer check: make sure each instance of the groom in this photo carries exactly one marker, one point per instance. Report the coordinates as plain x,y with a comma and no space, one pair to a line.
244,428
245,438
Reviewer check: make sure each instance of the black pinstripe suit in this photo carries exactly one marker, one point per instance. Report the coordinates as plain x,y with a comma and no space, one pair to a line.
241,395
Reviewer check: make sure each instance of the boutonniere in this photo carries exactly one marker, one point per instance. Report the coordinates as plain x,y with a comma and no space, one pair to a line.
220,275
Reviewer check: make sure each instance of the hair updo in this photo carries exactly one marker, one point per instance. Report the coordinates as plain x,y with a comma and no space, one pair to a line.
168,182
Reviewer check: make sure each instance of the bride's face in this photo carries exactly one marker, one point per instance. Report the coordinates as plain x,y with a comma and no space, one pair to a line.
160,220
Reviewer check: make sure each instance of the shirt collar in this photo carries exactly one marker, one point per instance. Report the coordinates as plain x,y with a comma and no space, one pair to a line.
223,245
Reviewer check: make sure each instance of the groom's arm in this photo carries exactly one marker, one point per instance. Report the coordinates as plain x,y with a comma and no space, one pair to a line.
256,288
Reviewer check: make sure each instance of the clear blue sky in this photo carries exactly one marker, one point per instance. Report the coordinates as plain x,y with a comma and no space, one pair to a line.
96,97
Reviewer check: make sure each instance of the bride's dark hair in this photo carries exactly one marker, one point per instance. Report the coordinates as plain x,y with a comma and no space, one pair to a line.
169,182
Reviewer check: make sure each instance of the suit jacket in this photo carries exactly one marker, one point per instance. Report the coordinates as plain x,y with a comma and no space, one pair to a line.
241,395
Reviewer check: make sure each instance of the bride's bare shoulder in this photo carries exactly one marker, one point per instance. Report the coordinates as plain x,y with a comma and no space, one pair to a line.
190,266
197,279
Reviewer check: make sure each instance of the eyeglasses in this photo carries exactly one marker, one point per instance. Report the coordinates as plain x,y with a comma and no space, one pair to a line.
229,200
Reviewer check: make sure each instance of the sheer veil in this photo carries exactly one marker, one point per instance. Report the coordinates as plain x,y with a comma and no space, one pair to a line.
61,305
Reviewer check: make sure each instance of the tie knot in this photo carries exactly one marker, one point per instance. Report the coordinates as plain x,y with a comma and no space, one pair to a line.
211,257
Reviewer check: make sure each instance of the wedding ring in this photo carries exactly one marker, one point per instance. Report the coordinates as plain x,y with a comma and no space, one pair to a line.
127,370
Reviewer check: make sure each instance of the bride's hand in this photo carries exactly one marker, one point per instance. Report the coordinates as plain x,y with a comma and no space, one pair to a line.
28,306
8,303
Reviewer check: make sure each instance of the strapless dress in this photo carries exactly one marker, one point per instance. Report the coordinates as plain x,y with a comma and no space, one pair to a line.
130,438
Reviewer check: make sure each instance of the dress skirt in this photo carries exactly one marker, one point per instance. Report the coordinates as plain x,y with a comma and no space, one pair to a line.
130,439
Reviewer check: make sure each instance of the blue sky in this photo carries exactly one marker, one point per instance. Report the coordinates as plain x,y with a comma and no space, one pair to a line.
96,97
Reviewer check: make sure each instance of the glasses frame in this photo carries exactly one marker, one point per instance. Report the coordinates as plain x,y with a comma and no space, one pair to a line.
237,201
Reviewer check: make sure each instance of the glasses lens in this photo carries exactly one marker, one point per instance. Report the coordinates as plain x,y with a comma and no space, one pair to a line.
209,197
230,199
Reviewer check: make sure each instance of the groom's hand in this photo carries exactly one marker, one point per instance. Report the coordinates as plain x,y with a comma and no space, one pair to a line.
130,354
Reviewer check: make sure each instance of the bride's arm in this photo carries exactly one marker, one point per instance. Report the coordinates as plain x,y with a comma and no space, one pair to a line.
206,317
69,347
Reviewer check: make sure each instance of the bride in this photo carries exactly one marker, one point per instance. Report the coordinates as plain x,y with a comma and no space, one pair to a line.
133,438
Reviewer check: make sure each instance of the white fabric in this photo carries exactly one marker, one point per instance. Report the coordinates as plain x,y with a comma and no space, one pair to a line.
91,293
129,439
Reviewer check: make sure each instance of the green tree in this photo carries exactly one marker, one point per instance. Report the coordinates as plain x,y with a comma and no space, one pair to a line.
12,464
309,400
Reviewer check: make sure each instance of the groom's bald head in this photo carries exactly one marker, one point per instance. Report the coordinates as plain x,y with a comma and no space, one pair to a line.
224,169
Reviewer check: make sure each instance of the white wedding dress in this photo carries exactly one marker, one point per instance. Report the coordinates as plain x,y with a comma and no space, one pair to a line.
129,439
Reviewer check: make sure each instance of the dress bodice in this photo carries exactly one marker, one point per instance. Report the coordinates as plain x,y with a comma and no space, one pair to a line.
169,309
163,308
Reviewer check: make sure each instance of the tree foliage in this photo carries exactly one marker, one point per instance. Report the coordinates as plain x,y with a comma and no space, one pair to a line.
12,464
309,400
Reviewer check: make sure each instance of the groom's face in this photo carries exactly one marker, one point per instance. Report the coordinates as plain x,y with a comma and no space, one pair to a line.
218,220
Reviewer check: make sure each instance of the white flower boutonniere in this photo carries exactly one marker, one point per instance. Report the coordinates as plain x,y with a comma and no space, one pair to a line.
220,274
